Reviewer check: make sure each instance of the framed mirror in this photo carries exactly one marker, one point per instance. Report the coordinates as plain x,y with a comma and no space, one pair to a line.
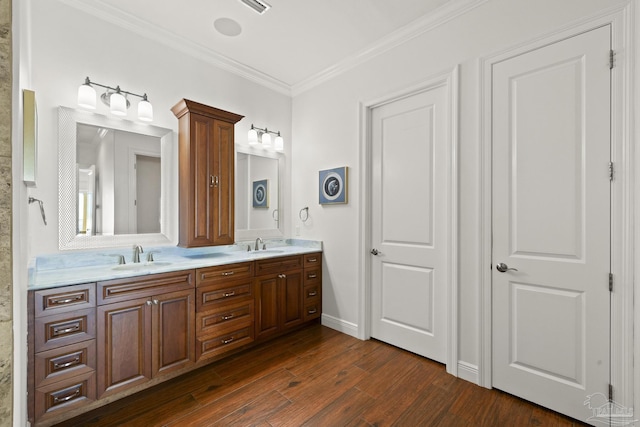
114,185
258,197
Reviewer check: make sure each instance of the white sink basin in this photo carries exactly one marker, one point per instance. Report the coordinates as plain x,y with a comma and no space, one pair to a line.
141,266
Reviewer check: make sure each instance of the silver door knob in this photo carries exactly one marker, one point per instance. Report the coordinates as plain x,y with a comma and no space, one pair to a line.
502,267
374,251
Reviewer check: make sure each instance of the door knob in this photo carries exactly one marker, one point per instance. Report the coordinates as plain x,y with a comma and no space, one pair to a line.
502,267
374,251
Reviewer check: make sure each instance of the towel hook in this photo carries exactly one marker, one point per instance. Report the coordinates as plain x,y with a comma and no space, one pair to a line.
44,217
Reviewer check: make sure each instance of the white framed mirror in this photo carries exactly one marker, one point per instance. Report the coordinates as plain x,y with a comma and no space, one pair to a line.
115,186
258,193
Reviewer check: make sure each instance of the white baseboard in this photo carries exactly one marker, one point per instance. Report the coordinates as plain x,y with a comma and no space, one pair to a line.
468,372
340,325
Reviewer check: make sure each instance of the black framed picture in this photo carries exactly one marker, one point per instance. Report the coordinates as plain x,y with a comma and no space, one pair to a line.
261,194
333,186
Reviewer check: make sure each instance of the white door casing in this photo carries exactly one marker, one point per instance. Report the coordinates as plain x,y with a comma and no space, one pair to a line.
551,221
413,218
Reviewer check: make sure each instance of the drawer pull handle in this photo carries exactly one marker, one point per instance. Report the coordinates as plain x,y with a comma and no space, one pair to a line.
228,273
227,341
229,294
66,365
312,276
312,260
312,311
66,330
66,300
228,317
312,293
67,398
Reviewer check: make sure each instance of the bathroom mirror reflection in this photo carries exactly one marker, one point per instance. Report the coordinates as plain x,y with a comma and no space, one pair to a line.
115,185
118,176
258,198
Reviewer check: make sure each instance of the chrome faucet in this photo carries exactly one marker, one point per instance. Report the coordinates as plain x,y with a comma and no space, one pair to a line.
258,240
137,250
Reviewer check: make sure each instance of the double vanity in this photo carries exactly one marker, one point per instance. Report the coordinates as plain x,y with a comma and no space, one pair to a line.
103,331
107,322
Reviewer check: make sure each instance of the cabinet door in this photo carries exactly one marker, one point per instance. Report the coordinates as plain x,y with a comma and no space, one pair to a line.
124,345
222,160
201,175
266,305
173,331
291,310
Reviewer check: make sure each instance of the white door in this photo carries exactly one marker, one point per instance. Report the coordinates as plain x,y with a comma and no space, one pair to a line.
551,223
410,138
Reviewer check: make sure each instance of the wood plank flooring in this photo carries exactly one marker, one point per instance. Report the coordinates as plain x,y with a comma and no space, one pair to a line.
320,377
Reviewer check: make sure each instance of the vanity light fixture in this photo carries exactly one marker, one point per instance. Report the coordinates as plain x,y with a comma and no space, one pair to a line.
263,136
115,98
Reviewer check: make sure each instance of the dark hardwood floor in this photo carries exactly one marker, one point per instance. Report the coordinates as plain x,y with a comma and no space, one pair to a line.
319,377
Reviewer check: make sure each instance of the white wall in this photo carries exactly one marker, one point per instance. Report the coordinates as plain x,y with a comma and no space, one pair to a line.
326,131
69,45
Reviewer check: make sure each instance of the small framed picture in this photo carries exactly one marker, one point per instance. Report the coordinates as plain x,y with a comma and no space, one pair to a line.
261,194
333,186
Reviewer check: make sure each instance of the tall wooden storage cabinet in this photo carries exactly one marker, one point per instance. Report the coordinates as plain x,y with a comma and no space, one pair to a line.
206,174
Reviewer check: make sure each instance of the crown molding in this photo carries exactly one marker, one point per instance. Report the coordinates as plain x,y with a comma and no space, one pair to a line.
153,32
443,14
145,29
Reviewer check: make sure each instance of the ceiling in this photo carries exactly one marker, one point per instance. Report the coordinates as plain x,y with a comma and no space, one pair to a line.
292,43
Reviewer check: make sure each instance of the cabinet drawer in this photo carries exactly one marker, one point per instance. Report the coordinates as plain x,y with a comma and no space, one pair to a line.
65,395
313,260
214,346
62,363
223,273
278,265
144,286
63,329
312,276
211,296
312,310
226,319
65,299
311,293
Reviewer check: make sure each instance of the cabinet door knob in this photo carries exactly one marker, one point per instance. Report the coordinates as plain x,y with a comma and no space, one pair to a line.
214,181
149,302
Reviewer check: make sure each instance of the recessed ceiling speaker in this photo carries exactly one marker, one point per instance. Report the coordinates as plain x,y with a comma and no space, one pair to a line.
257,5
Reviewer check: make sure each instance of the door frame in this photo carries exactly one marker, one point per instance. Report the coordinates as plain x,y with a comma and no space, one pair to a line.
448,78
623,156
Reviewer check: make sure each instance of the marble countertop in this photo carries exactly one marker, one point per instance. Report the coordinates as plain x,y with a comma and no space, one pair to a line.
49,271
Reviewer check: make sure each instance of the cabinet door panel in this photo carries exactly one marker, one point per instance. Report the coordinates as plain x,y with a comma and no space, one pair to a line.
124,344
292,295
267,308
174,331
222,158
202,171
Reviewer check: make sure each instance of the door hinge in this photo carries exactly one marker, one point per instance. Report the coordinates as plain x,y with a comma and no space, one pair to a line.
610,282
610,393
610,171
612,55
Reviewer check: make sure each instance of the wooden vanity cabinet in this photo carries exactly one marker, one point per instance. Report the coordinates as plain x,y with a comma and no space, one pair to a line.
146,327
62,350
92,343
224,309
279,295
206,155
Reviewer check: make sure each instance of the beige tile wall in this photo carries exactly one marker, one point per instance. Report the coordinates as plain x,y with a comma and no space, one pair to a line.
6,310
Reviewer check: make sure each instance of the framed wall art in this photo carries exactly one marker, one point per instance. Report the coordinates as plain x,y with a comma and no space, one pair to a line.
333,186
261,194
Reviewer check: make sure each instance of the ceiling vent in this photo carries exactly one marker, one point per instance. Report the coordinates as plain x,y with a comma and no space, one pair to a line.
257,5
